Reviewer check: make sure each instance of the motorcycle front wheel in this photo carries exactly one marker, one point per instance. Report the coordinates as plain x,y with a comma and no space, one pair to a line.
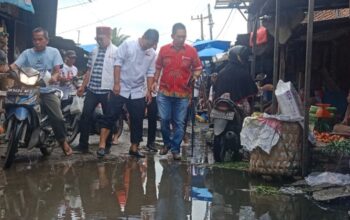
72,125
46,151
12,146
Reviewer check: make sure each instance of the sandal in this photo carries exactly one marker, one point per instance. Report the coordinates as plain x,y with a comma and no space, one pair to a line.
164,150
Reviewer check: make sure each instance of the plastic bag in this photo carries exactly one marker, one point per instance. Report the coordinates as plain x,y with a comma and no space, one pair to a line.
288,100
77,105
315,179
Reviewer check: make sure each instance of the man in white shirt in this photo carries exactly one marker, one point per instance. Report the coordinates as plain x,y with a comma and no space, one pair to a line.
68,72
98,83
135,60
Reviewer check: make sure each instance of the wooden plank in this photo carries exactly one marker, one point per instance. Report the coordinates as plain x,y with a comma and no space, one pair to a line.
308,65
276,55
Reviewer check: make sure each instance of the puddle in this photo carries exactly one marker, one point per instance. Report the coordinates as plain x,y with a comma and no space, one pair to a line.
145,189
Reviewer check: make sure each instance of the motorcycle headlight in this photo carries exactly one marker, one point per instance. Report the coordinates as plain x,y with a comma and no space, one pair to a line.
28,80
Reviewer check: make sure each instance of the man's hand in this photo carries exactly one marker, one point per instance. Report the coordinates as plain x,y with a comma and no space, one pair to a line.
116,88
148,98
81,91
154,87
53,79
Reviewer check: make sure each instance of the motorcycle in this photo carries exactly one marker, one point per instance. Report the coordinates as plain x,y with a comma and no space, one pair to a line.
26,126
73,118
227,120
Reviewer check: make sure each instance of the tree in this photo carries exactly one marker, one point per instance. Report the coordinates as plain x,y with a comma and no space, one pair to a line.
117,37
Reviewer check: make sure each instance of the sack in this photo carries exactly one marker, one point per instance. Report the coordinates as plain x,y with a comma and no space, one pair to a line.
288,100
77,105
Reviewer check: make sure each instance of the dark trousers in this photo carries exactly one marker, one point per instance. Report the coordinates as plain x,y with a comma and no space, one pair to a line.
152,113
90,103
51,104
136,109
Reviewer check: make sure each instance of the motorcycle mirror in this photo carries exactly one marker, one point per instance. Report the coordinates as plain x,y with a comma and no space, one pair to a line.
260,77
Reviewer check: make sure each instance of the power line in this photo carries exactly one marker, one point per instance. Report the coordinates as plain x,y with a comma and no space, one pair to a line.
223,27
76,5
106,18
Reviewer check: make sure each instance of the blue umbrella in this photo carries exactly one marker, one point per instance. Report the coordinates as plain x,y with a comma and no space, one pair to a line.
209,52
219,44
88,47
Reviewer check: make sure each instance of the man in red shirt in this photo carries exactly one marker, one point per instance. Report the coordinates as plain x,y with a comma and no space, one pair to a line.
180,66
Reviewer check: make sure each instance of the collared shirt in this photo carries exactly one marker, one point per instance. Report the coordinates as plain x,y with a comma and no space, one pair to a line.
96,72
136,64
177,66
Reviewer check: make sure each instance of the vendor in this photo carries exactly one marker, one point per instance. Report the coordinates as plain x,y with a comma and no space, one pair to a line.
344,126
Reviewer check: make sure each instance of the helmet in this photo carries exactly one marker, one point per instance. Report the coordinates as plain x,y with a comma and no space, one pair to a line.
239,54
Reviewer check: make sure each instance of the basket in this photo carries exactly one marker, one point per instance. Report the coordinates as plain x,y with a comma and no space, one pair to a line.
284,158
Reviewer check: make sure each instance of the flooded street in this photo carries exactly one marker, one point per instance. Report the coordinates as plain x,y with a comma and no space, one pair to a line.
122,187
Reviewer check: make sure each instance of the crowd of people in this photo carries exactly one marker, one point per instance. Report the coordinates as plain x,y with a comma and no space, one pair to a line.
130,75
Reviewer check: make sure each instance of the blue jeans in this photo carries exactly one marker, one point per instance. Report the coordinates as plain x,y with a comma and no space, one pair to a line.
172,110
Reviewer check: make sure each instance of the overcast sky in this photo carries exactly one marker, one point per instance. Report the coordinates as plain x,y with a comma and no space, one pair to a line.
135,16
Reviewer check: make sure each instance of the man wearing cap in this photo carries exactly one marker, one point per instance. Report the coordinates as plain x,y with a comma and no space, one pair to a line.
135,61
98,83
67,73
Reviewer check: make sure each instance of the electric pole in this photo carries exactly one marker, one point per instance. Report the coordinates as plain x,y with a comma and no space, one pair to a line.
201,20
78,42
211,23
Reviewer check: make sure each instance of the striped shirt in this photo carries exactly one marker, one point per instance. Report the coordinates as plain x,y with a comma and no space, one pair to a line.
96,72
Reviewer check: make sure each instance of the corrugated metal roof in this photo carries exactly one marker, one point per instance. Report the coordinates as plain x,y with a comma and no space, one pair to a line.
254,6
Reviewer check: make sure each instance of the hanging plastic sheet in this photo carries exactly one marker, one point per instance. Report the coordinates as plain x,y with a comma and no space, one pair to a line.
24,4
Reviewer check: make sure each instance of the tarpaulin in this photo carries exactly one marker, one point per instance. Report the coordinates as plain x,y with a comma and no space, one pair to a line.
24,4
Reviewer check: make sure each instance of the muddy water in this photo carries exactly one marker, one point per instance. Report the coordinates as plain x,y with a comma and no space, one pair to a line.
152,188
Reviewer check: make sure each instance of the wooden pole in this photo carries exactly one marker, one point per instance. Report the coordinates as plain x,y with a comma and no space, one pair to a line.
282,70
253,61
276,55
308,62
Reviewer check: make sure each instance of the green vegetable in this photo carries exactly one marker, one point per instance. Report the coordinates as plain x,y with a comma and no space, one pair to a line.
240,165
266,190
338,147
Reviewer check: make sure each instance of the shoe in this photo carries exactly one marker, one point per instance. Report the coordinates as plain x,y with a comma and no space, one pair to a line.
83,150
151,148
176,156
164,150
107,150
136,154
100,152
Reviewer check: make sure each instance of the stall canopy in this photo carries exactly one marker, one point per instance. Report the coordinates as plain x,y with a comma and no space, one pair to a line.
24,4
209,52
88,47
218,44
209,48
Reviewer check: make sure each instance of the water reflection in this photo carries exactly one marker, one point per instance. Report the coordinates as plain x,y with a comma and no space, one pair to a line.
173,191
145,189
